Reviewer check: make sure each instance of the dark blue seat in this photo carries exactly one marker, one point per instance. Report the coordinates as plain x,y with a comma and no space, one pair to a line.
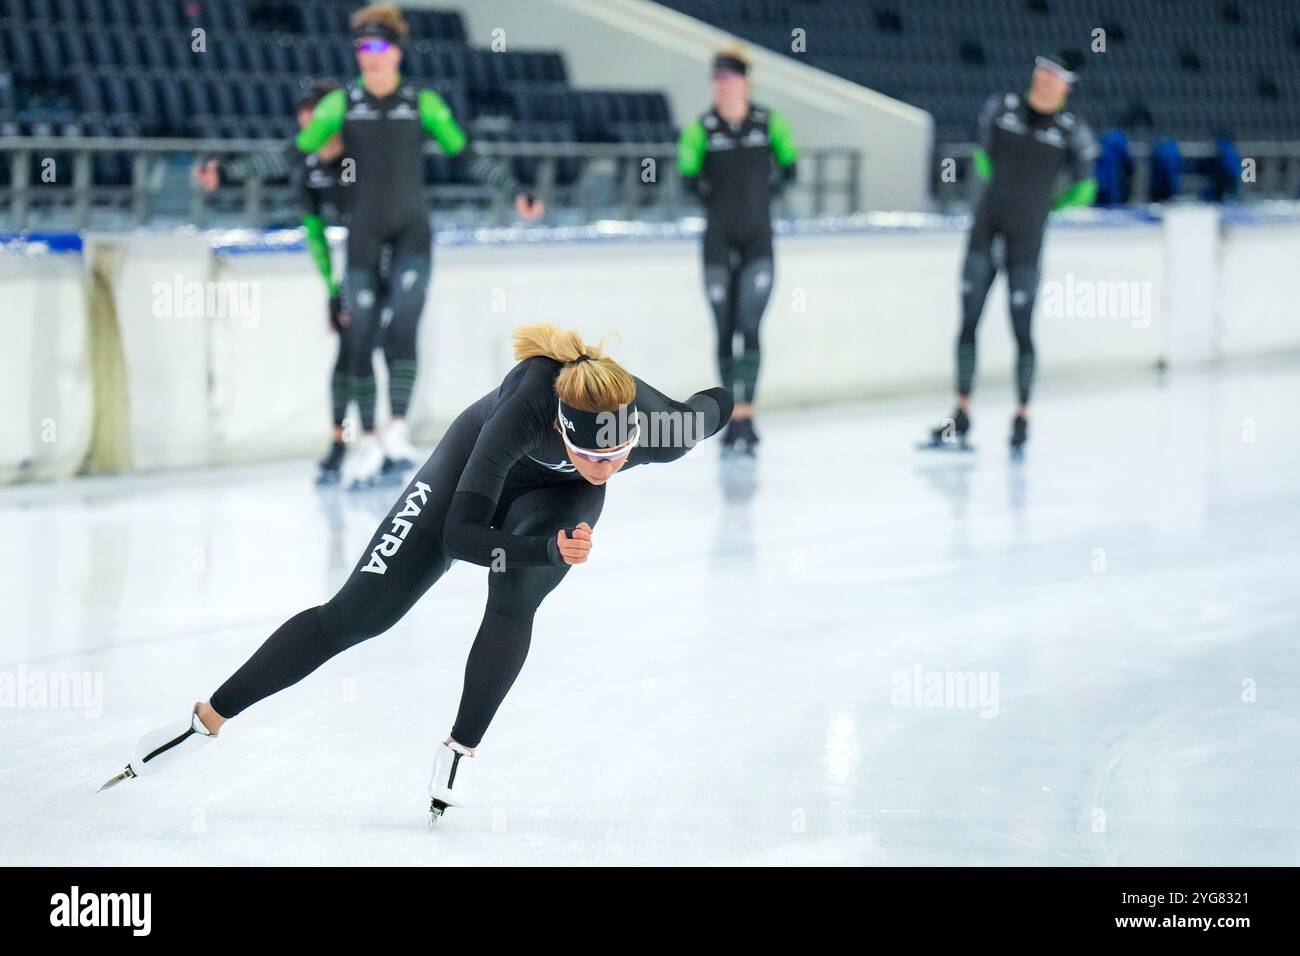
74,11
146,105
527,170
275,96
155,13
116,94
275,55
302,56
20,53
75,48
90,94
222,96
125,50
248,102
171,99
7,99
49,53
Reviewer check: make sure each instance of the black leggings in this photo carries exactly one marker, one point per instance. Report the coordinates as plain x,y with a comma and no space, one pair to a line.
371,601
408,281
1021,249
738,281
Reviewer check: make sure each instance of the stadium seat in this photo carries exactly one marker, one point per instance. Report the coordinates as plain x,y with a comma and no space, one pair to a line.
127,68
931,52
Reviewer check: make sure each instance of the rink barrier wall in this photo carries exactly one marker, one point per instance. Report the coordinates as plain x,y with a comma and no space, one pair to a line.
45,357
150,351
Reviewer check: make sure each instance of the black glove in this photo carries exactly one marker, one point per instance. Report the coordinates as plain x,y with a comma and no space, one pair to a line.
338,318
782,178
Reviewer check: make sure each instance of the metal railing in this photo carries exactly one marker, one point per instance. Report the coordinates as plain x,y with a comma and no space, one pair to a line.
579,182
1276,172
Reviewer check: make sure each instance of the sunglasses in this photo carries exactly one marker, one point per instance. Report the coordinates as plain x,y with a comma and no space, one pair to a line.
371,46
596,457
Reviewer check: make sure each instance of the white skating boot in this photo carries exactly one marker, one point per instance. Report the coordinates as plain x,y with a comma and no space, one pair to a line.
447,786
164,746
362,466
399,453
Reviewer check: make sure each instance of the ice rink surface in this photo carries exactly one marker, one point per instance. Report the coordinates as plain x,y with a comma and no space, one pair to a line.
749,671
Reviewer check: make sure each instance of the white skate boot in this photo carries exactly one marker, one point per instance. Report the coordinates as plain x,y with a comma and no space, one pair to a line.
399,453
362,466
163,747
446,787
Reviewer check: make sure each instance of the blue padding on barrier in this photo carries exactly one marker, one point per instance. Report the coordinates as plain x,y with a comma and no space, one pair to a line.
34,243
246,241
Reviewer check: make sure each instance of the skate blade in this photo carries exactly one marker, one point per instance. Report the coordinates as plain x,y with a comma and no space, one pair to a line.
436,810
949,446
126,774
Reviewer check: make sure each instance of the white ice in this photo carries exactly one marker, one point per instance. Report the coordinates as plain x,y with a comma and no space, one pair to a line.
723,682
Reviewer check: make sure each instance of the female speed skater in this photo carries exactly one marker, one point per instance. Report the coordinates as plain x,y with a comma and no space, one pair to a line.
737,157
384,122
516,485
1028,142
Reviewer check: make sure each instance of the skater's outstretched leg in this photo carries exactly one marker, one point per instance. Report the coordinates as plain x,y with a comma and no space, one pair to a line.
404,558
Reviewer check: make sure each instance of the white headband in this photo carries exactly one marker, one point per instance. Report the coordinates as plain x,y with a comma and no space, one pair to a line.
1053,67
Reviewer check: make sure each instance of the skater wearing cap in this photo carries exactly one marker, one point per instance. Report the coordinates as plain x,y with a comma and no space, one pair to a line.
516,485
737,157
1035,158
384,122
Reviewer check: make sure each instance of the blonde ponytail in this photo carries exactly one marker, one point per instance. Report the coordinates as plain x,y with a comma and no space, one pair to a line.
595,384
